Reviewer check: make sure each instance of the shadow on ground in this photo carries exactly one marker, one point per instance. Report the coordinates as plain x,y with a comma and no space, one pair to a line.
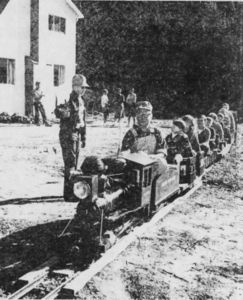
26,249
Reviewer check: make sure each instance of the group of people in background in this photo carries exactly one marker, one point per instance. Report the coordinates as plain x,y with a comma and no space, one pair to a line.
122,106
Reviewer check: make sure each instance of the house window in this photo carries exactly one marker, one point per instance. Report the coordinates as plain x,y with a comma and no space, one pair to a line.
7,70
59,75
57,24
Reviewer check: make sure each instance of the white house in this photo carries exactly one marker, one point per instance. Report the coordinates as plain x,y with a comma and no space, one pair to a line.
37,43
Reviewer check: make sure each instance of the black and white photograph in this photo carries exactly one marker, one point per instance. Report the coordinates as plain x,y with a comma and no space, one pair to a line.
121,150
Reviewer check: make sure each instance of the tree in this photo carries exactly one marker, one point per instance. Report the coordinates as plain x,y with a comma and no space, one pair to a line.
185,57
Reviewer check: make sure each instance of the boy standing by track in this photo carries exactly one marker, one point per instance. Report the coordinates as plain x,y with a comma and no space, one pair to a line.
72,130
131,106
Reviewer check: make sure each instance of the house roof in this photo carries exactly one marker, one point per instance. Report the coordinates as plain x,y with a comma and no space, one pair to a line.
75,9
3,4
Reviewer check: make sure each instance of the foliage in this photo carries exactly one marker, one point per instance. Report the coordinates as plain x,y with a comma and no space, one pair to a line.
182,56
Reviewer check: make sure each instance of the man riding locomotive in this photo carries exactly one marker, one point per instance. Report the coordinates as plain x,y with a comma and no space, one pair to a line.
144,137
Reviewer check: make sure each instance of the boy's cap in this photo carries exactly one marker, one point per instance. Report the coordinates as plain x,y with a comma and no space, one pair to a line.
144,106
213,116
188,118
80,80
220,115
180,123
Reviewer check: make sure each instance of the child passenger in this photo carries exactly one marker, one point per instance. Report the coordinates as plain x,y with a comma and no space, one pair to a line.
191,131
204,134
178,145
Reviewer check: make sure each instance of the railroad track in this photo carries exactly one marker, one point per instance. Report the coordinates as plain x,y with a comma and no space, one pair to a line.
73,282
33,282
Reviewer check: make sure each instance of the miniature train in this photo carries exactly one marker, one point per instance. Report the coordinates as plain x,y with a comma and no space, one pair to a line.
111,199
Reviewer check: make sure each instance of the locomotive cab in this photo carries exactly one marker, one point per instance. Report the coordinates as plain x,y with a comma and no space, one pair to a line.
140,173
155,181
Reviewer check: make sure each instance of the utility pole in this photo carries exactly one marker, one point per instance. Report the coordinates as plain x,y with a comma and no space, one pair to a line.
241,63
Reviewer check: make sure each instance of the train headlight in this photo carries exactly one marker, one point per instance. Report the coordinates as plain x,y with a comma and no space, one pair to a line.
81,189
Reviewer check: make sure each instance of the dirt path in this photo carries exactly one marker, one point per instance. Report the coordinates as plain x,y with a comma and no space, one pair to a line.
195,253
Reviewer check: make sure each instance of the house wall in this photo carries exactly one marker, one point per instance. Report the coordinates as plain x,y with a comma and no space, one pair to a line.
15,44
55,48
26,44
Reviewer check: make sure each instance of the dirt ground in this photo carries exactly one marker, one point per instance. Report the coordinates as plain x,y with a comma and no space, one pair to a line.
195,253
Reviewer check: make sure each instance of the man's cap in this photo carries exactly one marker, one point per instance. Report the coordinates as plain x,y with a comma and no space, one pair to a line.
213,116
144,106
180,123
37,82
80,80
220,115
105,90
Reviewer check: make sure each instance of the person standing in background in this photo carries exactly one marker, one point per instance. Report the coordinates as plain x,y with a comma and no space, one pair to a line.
131,106
39,108
105,105
119,106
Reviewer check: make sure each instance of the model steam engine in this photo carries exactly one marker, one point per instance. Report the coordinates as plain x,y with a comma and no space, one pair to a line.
126,190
